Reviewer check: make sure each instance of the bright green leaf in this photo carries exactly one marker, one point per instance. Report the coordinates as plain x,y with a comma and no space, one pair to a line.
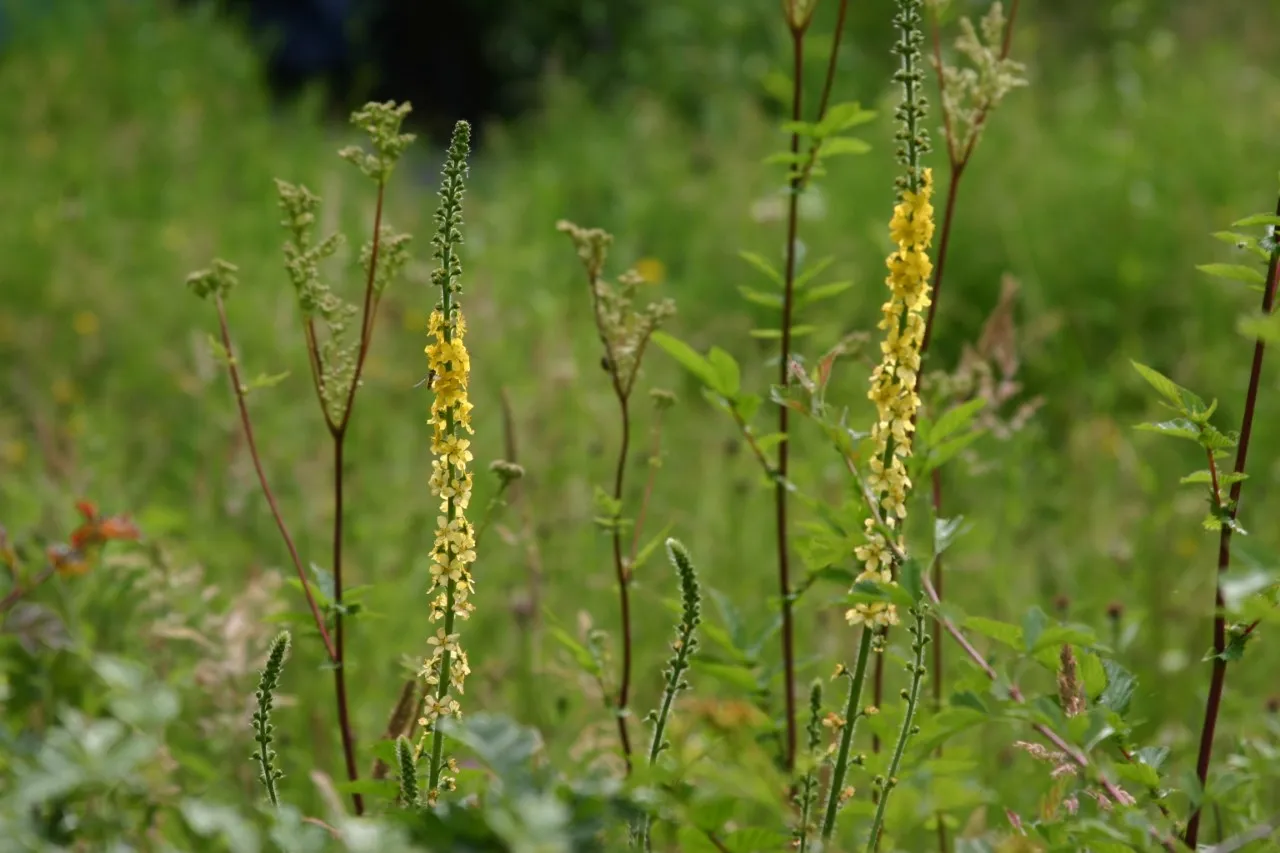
1235,272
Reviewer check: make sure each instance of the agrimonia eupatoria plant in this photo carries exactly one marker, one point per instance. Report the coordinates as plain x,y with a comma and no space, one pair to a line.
894,393
454,550
338,335
793,288
683,649
1225,487
263,729
625,332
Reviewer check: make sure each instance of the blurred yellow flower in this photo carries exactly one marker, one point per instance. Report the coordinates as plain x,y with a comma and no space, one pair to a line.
63,391
651,270
85,323
13,452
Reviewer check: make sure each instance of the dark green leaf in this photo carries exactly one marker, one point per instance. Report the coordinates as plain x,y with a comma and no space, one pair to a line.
1121,685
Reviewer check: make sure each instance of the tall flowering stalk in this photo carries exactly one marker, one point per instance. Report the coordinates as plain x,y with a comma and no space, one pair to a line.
893,389
446,669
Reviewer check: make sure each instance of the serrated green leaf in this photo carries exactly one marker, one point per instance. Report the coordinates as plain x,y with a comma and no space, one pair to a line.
842,145
583,658
770,440
1177,428
1263,327
763,266
1121,684
910,577
746,405
787,158
1234,238
687,356
1057,636
1034,622
1092,674
822,292
1235,272
812,270
759,297
1180,397
955,419
945,531
734,676
1002,632
1257,219
800,128
943,453
1225,478
774,334
755,840
728,374
843,116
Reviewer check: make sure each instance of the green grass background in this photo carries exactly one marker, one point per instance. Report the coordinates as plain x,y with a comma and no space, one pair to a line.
137,143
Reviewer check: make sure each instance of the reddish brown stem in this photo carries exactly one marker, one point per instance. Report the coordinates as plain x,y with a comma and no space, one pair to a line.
623,573
1218,678
18,592
247,425
622,392
339,669
780,488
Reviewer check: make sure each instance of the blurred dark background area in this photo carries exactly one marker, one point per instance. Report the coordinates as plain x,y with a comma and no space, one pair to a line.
484,58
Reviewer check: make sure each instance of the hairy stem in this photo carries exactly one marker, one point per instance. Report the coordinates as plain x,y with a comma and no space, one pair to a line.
1218,678
852,711
908,728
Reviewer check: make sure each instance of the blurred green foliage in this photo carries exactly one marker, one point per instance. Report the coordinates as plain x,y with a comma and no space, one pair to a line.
137,142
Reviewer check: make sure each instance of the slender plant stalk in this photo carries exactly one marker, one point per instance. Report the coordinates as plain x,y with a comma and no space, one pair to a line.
338,435
852,712
908,726
246,424
625,335
958,161
810,786
263,729
623,575
1218,678
780,488
798,19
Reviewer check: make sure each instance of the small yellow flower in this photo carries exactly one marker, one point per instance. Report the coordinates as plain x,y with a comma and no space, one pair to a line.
893,386
85,323
651,270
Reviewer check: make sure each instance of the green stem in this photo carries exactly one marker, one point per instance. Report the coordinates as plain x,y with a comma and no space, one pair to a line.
908,727
851,714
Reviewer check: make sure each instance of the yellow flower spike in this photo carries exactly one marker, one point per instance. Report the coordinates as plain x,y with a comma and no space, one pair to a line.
450,481
893,384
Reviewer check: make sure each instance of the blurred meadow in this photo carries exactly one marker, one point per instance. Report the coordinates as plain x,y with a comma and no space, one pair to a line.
138,141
